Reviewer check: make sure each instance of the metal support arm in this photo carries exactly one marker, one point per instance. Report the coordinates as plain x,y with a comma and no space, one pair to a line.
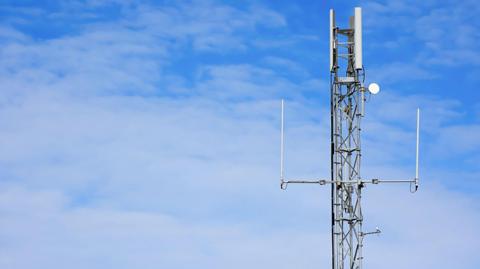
375,181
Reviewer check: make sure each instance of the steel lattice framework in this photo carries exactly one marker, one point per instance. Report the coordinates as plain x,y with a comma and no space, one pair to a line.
347,105
347,93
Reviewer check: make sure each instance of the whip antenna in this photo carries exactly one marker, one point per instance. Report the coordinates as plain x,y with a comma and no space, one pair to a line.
417,149
282,146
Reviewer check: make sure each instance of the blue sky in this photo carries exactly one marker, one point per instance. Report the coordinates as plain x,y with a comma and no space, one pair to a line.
146,134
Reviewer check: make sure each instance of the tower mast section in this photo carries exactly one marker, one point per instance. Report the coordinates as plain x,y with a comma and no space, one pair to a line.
347,108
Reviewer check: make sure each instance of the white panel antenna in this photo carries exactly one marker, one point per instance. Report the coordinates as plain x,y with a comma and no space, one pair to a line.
332,39
357,36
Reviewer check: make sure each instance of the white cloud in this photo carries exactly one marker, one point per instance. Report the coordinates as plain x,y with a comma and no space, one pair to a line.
442,31
98,237
394,72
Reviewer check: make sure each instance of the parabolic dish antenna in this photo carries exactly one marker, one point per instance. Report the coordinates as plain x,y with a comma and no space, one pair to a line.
373,88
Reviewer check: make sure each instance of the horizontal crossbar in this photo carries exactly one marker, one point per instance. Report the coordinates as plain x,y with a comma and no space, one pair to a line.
371,181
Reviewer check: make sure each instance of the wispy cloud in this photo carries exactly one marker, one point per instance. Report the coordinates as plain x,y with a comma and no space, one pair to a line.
442,33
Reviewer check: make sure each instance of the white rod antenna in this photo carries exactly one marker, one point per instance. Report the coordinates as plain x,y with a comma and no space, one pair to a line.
418,142
282,173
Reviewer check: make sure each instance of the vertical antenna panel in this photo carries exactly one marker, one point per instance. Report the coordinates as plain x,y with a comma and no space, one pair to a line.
332,38
358,38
